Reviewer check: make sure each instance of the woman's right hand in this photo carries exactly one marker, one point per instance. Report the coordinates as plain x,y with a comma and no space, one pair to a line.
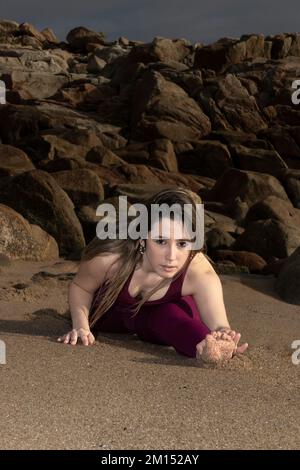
72,336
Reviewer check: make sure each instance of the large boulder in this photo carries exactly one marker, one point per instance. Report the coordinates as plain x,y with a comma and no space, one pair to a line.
161,109
260,160
80,37
34,84
249,186
288,282
269,238
274,208
21,240
253,261
160,50
37,196
82,185
14,159
291,181
208,158
229,105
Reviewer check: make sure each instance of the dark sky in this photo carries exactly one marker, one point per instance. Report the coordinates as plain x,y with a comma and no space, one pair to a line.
144,19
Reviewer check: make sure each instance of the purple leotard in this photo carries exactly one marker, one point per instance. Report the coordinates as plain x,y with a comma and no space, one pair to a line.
173,320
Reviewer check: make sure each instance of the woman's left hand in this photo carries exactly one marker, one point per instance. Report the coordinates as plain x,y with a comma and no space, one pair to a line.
236,338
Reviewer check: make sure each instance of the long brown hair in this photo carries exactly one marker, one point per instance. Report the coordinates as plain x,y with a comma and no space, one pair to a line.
129,253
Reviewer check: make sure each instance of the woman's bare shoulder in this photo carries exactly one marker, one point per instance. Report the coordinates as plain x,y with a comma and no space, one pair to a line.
198,266
94,272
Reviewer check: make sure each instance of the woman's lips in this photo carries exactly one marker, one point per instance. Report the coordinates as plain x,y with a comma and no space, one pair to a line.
168,268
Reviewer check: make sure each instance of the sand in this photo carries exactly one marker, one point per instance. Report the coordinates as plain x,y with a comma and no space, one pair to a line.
123,393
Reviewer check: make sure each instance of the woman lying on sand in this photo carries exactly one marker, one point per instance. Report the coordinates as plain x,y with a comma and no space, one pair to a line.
159,287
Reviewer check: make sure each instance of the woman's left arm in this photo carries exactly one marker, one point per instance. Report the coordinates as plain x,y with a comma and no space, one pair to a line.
208,295
207,291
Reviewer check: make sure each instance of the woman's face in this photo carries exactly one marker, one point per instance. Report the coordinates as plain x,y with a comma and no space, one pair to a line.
167,247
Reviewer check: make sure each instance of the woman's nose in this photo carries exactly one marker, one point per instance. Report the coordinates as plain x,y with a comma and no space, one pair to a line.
171,252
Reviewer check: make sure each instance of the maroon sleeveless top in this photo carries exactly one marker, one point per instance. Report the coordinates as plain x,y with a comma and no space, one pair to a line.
173,292
125,301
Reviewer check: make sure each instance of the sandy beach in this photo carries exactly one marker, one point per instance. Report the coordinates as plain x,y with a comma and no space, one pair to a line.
123,393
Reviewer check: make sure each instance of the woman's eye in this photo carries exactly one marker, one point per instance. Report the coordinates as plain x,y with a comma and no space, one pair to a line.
181,244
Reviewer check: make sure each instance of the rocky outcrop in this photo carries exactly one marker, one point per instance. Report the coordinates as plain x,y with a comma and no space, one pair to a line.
87,120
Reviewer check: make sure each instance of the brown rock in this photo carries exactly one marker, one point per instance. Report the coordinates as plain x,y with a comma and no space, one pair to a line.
163,109
259,160
250,186
208,158
49,36
36,195
288,282
162,155
12,158
254,262
20,240
29,30
269,238
83,186
80,37
274,208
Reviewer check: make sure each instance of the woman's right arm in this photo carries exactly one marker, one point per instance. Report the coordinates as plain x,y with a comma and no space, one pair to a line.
90,276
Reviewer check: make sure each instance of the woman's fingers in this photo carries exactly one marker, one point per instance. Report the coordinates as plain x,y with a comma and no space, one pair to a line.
74,336
91,338
67,338
242,349
84,339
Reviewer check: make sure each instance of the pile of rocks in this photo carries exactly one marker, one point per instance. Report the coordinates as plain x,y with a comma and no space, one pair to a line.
87,120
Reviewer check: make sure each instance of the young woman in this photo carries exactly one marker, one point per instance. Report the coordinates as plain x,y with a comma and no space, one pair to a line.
159,287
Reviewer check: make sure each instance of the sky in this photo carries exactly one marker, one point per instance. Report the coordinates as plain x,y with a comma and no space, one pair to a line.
142,20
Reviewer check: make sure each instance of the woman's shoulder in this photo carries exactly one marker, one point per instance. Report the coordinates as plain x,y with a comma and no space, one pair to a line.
199,266
95,271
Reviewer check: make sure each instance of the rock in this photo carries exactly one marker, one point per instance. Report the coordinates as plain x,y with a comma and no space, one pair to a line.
20,240
252,261
95,64
14,159
37,196
229,268
229,106
274,208
288,282
61,164
207,158
217,239
249,186
269,238
109,54
29,30
162,155
221,221
291,182
103,156
83,186
281,45
160,50
163,110
283,142
80,37
49,36
227,51
36,85
259,160
8,27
